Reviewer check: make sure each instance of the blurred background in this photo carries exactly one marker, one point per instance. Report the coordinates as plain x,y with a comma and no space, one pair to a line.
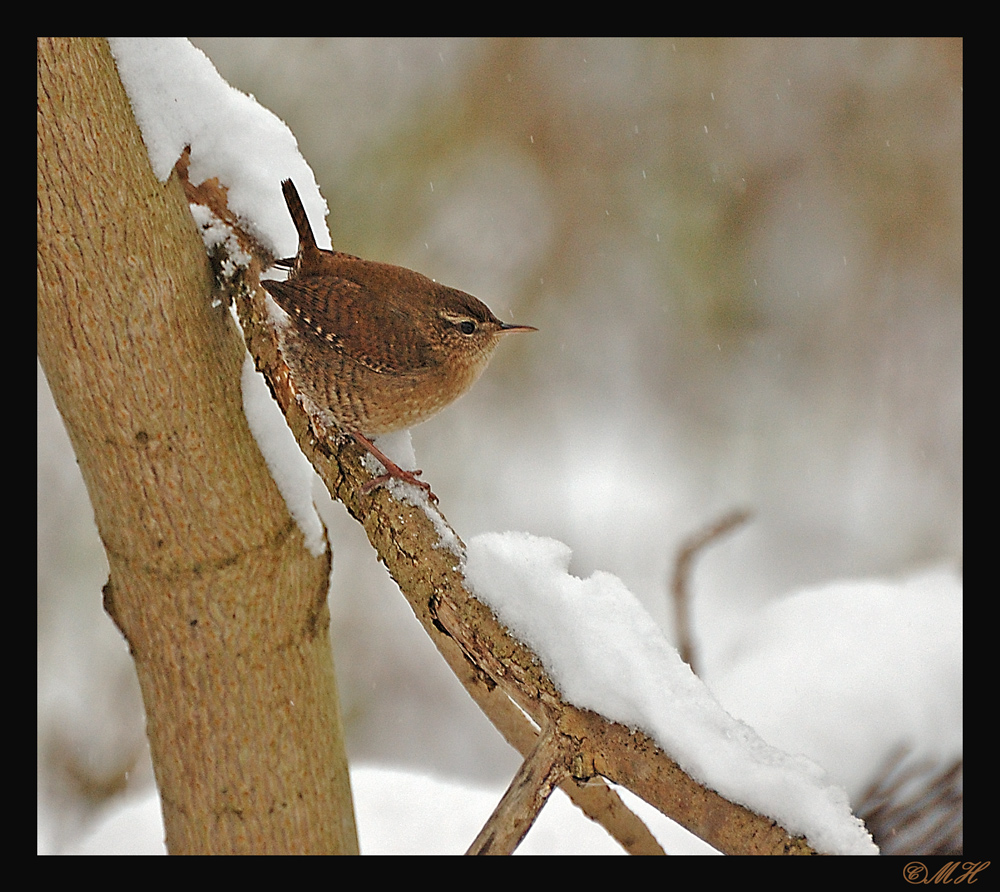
744,259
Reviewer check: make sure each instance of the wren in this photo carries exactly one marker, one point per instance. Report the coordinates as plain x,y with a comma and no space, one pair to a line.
376,346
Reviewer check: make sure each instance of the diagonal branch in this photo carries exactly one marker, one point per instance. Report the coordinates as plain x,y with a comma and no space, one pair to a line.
543,769
425,557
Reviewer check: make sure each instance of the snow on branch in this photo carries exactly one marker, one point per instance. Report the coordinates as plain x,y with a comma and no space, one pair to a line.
579,659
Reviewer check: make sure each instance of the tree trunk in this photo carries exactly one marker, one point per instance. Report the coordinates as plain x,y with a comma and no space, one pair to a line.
222,606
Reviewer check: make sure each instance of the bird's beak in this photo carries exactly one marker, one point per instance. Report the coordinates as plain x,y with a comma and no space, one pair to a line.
505,328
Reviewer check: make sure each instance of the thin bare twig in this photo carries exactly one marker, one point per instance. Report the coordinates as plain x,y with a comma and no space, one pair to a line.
915,809
682,572
539,774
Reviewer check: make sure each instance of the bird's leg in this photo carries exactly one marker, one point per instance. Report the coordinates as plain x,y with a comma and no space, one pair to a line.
392,470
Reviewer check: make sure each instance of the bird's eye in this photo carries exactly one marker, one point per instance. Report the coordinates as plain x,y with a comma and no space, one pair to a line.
467,326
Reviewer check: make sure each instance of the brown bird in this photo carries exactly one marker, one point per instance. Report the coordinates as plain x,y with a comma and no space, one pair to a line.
379,347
